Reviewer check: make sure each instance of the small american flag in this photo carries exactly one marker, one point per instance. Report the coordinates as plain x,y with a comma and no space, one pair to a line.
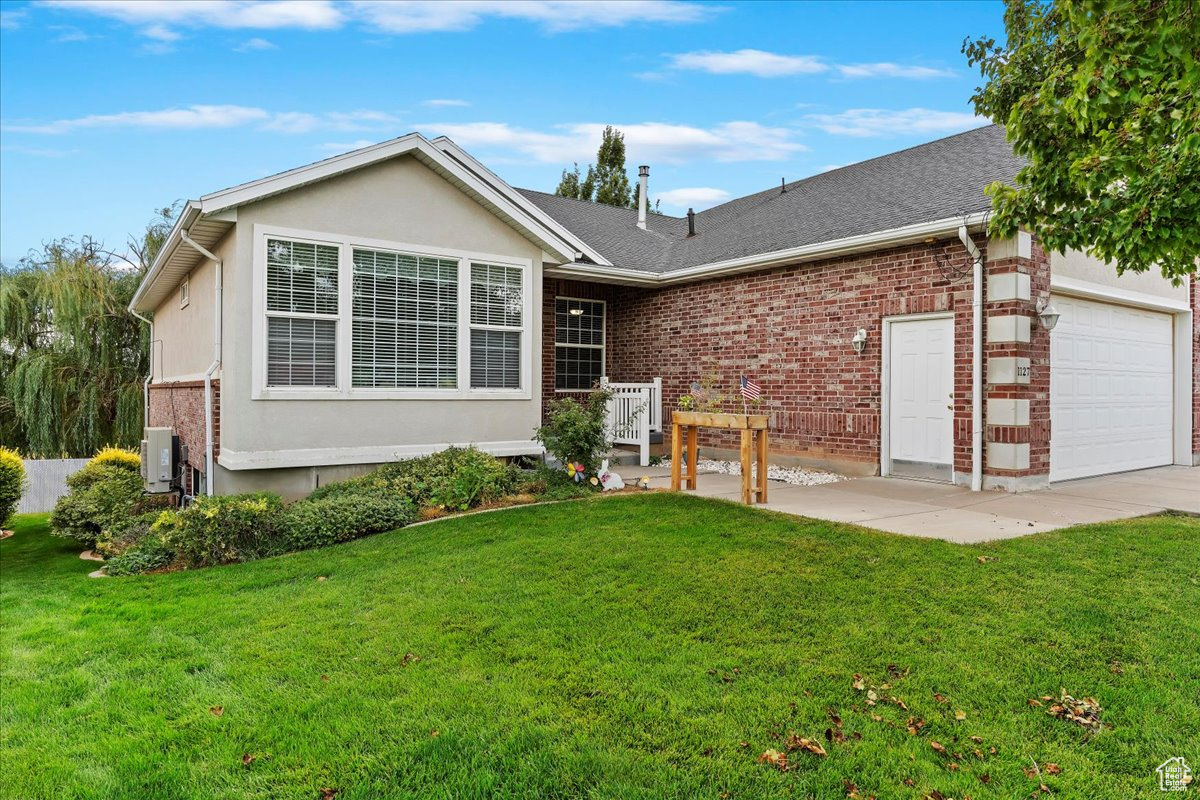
750,389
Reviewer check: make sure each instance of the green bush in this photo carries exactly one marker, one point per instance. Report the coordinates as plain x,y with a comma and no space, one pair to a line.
99,498
457,478
577,432
12,482
143,546
117,457
226,529
325,521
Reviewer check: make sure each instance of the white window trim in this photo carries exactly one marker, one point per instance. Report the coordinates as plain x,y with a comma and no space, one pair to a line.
343,388
602,347
185,291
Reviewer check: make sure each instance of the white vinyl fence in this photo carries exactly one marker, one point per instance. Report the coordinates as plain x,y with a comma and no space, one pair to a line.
47,482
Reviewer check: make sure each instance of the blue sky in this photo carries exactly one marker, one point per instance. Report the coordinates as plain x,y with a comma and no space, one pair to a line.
111,109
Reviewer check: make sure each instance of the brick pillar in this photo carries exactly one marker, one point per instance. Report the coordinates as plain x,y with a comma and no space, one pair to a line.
1016,367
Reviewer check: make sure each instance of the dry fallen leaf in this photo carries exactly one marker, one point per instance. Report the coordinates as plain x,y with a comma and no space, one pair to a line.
952,767
834,718
433,734
322,578
960,715
408,659
977,739
775,759
909,782
977,753
248,759
941,698
1052,769
795,742
743,744
937,746
985,778
329,793
1115,668
1031,772
1034,703
217,711
858,682
914,726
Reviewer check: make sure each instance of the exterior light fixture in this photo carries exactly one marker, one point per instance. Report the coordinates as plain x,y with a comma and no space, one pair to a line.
859,342
1047,314
576,312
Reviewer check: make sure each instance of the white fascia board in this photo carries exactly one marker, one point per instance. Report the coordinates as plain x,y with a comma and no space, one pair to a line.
547,221
187,217
486,185
1099,291
808,252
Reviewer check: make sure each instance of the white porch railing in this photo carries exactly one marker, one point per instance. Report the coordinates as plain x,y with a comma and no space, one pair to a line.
635,412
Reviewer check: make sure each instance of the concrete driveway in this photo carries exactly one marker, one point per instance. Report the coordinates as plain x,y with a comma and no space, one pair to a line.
919,508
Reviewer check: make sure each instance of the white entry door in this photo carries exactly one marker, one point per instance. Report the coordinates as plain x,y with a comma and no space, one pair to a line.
921,398
1111,377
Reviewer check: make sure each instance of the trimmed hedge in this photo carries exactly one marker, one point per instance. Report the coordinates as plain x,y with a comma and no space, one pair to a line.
225,529
118,457
328,520
101,496
12,482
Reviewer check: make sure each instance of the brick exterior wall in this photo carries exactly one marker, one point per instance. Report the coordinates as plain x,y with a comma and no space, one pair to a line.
180,405
789,328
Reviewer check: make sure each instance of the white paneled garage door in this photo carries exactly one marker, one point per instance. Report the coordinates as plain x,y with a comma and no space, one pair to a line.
1110,389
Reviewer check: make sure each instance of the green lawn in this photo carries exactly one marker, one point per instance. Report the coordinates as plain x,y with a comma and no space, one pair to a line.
618,648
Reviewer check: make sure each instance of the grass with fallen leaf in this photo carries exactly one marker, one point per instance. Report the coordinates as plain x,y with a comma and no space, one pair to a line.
649,646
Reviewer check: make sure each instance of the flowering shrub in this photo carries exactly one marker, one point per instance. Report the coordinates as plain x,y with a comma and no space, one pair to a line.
12,482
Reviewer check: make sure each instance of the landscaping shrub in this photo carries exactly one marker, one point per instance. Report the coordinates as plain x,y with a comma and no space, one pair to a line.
577,432
457,478
139,546
125,534
226,529
117,457
325,521
100,497
12,482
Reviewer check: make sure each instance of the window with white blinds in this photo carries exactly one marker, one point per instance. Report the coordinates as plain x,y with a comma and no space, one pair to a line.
366,319
497,312
302,308
405,321
578,343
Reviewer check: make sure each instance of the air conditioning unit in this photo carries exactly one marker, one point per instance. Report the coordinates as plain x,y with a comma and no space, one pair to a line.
162,460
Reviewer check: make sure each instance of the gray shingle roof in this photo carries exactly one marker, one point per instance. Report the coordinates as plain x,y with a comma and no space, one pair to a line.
933,181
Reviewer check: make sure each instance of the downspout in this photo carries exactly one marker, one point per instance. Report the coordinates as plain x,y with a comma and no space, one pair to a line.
209,467
150,375
976,359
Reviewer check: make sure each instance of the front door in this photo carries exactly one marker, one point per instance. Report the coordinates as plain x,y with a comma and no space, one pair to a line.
921,398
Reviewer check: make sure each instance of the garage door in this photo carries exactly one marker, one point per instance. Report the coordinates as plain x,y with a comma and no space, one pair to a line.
1110,389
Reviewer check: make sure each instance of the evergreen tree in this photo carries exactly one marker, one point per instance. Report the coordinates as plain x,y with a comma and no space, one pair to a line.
569,186
606,181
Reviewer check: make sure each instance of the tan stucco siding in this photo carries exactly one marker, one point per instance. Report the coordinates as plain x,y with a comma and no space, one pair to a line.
1084,267
403,202
183,336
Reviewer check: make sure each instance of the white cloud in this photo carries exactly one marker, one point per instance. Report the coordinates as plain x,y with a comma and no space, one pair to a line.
749,62
41,152
699,197
646,142
446,103
555,16
886,69
388,16
198,117
869,122
11,20
156,16
764,64
257,43
160,33
69,33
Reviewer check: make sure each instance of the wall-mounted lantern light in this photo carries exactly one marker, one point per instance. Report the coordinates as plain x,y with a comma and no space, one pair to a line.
576,312
859,342
1047,314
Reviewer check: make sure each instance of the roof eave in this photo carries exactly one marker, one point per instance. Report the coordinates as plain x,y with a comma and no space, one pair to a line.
758,261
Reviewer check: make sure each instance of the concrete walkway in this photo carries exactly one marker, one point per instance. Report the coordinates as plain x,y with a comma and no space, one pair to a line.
919,508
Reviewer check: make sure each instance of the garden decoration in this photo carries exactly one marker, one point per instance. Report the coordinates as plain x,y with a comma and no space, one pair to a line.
609,480
704,409
575,470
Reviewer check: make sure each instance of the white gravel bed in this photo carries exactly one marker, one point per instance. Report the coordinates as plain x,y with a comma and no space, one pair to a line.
798,476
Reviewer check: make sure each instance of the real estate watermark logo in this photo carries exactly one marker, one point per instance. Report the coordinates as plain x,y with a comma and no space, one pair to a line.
1174,775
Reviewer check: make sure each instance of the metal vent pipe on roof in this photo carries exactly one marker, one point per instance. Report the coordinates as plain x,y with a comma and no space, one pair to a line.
691,222
643,174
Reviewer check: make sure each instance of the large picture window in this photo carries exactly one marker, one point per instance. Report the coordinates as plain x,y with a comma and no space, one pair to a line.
578,343
364,318
302,307
405,321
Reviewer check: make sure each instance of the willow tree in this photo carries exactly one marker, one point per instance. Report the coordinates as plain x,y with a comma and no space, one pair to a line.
72,357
